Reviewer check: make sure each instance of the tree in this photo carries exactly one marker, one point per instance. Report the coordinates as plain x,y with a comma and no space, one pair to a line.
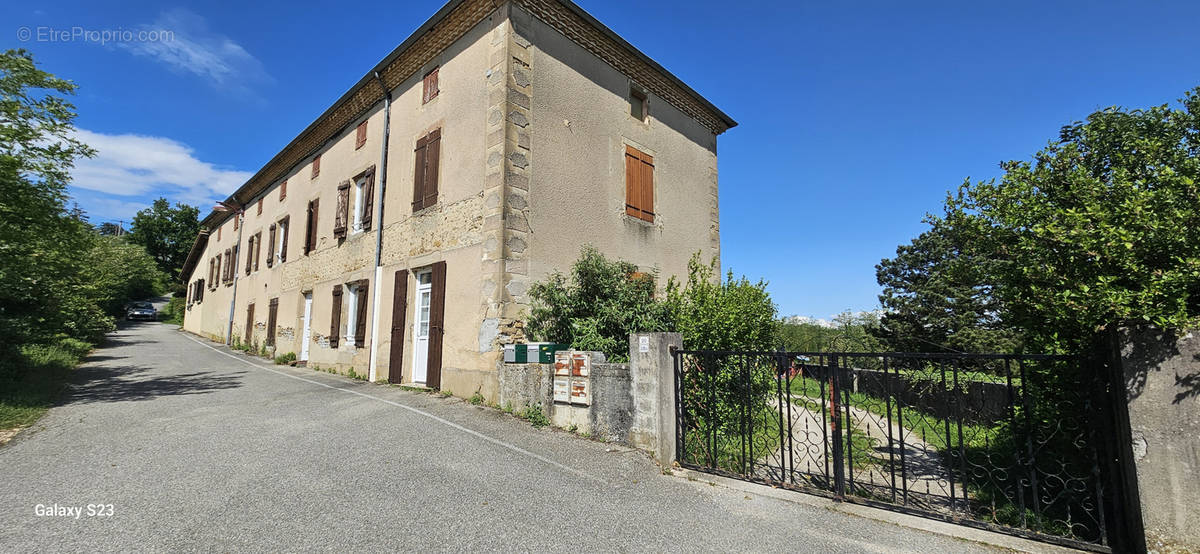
166,233
712,314
110,229
597,307
1101,228
42,288
937,296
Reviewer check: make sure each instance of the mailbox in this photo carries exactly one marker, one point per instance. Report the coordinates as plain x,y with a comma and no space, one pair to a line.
562,390
571,373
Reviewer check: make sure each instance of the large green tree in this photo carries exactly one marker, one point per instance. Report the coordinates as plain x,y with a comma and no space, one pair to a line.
43,249
1101,227
166,233
938,296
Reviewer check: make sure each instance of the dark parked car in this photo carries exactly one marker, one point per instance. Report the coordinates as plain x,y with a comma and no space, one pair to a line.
141,310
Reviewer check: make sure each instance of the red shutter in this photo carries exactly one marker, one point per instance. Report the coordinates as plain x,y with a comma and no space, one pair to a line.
399,313
335,318
368,208
271,245
342,214
285,230
419,174
432,155
360,321
437,322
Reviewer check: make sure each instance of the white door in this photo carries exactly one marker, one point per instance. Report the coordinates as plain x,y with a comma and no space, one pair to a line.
421,327
306,336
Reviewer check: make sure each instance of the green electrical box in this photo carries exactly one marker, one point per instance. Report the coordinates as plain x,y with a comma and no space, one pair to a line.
534,352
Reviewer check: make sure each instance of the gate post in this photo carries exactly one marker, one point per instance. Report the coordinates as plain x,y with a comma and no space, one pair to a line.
835,424
652,370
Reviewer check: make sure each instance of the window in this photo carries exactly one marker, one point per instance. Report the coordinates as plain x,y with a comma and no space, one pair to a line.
639,184
360,188
429,86
228,257
283,190
257,249
260,206
284,227
219,233
272,317
638,105
271,245
310,228
249,254
360,135
316,168
425,178
356,313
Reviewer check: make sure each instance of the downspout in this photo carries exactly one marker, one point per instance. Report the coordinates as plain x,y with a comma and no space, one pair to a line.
377,294
237,214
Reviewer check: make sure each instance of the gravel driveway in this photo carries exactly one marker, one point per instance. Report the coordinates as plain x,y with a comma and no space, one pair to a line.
196,448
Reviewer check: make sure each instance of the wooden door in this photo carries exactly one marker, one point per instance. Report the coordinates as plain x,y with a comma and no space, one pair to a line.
437,321
399,313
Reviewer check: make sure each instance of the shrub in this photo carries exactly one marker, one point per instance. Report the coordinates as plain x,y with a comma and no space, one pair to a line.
285,358
597,306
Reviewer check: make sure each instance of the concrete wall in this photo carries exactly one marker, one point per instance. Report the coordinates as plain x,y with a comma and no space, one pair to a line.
581,124
1162,385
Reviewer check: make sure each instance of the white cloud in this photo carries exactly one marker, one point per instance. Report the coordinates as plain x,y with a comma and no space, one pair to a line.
189,46
137,165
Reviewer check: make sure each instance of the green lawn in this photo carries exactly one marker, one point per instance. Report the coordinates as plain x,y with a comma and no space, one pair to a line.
31,382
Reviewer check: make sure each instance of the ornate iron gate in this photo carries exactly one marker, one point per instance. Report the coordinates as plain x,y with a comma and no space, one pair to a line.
997,441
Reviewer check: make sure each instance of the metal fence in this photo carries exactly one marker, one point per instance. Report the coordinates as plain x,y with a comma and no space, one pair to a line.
998,441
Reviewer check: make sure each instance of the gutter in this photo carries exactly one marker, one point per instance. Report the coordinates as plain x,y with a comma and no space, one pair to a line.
377,294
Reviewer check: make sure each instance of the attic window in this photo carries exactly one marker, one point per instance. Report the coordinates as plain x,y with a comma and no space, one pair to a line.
429,86
638,103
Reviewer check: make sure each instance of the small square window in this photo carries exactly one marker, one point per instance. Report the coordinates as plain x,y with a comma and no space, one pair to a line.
638,104
360,137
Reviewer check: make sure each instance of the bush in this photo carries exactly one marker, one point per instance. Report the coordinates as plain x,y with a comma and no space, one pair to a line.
31,380
286,358
597,306
173,312
711,314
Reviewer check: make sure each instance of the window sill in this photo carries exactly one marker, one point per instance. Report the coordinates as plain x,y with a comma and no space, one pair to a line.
640,221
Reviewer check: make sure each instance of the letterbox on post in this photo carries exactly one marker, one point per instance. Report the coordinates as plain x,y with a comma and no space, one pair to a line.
571,382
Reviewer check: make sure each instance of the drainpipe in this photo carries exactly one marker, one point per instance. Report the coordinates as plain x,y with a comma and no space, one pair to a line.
236,260
377,294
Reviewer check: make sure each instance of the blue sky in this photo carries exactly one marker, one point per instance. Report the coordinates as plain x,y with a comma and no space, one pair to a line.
855,117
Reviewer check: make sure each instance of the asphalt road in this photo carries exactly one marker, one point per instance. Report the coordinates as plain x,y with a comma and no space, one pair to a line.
196,448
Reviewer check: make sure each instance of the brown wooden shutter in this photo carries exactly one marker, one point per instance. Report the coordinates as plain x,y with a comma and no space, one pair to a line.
419,174
228,258
399,318
310,238
341,216
316,167
249,253
368,208
257,249
260,200
360,321
237,251
437,322
248,333
633,184
360,135
335,318
272,313
283,190
432,158
429,86
647,203
271,245
286,224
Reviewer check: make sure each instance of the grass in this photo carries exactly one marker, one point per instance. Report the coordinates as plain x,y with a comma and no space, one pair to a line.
476,399
31,381
534,414
286,358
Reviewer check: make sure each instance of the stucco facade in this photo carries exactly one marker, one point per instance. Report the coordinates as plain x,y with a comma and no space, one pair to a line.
532,109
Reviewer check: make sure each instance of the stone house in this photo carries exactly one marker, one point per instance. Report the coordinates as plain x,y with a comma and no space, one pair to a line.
398,234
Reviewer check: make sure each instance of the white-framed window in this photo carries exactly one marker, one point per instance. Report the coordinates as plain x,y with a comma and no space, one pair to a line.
360,187
281,231
352,314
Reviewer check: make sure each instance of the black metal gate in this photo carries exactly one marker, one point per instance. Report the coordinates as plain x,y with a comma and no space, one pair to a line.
1003,442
